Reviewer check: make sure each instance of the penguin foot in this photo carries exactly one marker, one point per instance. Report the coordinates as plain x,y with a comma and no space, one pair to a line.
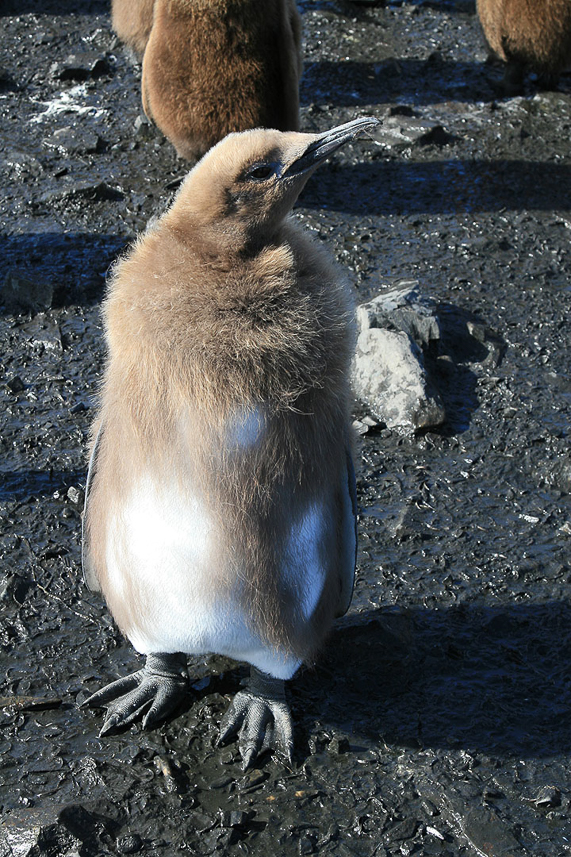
157,687
261,716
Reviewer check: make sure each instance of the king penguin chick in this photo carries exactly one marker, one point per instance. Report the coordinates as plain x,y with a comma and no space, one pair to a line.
132,21
220,503
215,66
528,34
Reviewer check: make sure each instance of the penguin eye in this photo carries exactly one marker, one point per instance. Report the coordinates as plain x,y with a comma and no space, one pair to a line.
260,172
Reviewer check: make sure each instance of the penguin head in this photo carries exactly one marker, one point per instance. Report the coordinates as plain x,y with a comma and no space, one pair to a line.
246,185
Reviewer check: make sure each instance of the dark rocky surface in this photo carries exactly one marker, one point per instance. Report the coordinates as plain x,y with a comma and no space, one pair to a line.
437,721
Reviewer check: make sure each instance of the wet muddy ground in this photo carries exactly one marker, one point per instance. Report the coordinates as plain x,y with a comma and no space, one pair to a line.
437,721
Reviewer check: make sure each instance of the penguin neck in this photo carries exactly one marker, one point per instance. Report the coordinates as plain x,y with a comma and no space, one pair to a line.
229,241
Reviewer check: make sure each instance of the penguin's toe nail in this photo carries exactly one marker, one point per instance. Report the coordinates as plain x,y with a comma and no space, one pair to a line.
123,712
248,758
252,739
109,725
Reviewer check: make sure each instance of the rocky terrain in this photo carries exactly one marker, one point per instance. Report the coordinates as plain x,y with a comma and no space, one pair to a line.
437,720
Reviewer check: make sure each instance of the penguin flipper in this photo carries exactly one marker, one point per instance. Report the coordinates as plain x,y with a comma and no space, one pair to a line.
261,716
89,574
158,687
349,530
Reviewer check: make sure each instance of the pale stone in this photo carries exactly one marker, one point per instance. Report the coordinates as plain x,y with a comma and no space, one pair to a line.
390,378
402,307
389,373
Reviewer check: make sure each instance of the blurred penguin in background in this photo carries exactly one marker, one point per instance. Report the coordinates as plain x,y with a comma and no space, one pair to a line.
132,21
530,35
211,67
220,505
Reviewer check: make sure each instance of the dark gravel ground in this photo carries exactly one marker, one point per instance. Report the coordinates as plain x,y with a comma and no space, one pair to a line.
437,720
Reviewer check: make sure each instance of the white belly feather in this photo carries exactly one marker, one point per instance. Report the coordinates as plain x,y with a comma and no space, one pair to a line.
165,538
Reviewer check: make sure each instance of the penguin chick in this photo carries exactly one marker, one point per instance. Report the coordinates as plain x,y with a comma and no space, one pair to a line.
132,22
220,504
533,34
215,66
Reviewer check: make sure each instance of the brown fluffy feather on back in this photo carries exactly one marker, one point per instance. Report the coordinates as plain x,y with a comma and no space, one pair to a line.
216,66
132,21
534,33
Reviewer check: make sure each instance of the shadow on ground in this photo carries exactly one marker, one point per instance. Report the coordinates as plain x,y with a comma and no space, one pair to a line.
52,7
22,486
74,264
416,81
440,187
491,680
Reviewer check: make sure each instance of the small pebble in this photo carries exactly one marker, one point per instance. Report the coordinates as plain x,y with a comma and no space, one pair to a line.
235,818
549,796
220,782
75,495
129,844
339,744
432,831
252,780
16,385
429,808
305,845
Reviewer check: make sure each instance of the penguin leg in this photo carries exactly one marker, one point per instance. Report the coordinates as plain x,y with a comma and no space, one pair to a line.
157,687
512,83
262,717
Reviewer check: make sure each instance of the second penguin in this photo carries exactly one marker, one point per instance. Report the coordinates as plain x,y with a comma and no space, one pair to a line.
211,67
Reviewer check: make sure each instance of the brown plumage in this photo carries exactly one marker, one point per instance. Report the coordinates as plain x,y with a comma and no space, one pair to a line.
220,513
132,21
215,66
528,34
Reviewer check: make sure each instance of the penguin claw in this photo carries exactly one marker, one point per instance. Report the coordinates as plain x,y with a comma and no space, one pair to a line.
112,691
157,687
261,718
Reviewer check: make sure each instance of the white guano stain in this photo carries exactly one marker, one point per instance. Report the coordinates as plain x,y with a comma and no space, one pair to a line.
70,101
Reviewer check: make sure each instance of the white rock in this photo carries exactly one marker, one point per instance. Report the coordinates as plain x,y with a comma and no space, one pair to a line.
389,373
389,376
402,308
403,132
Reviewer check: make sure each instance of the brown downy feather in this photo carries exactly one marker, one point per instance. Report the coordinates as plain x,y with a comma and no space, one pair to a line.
132,21
275,332
534,34
215,66
226,307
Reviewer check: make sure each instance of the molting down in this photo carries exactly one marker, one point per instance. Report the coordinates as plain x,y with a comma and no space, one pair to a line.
220,508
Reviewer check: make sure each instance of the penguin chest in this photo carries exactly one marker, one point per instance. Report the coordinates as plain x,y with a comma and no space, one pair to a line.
161,556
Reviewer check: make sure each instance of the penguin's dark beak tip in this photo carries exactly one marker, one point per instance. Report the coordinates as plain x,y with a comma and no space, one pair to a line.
327,143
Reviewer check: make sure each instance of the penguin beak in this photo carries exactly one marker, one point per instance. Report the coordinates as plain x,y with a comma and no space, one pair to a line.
325,144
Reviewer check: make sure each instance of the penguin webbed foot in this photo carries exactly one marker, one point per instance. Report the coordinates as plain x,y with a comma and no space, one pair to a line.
260,716
158,687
